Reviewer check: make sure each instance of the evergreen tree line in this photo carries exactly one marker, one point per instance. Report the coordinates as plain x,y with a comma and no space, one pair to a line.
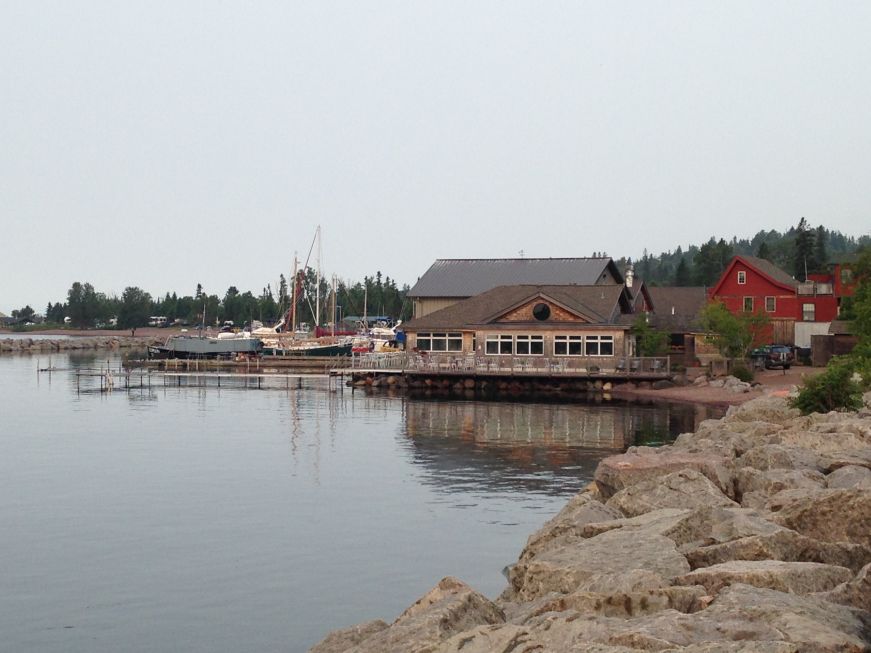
86,307
801,251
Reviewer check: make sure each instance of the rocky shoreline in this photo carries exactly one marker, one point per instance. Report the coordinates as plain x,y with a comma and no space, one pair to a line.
751,534
49,345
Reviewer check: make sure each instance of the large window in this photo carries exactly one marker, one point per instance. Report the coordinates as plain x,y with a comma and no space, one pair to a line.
599,345
770,304
808,312
748,304
500,345
568,345
440,341
529,345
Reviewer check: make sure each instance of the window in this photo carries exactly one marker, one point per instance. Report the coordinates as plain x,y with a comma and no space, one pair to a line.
808,312
499,345
599,345
748,304
742,277
529,345
567,345
846,276
770,304
440,341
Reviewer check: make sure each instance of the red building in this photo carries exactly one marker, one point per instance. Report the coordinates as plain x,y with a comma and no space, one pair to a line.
797,309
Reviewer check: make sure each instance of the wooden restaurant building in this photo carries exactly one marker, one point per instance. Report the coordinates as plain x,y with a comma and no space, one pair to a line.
578,327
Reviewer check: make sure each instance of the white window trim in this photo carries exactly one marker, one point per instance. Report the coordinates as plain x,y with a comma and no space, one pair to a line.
499,339
773,308
742,277
567,340
529,339
599,340
448,337
744,304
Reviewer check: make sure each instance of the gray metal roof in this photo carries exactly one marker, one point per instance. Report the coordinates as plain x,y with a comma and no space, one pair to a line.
470,277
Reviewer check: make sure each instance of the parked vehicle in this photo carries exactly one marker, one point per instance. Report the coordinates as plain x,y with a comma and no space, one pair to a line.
771,356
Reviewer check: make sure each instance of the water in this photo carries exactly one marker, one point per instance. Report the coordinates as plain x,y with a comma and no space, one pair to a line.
211,519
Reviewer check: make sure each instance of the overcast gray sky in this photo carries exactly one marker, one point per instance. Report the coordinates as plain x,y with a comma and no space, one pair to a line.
162,144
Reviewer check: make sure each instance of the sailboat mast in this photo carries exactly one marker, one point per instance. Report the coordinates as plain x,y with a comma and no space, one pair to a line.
293,298
318,286
333,321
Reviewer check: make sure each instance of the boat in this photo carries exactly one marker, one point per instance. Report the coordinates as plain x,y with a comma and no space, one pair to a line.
226,345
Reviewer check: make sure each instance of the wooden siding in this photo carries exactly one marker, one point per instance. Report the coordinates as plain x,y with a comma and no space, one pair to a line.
524,314
426,305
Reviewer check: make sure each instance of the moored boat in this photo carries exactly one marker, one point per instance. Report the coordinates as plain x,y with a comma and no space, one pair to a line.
184,346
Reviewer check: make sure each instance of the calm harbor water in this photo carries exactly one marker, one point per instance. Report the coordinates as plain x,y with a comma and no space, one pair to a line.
207,519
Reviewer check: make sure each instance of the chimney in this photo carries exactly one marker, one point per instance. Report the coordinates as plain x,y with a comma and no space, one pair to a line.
630,275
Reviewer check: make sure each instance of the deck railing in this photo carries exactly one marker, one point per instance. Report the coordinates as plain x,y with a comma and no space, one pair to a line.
532,365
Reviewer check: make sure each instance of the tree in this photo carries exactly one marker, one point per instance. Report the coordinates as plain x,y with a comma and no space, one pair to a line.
803,255
682,274
83,304
764,251
25,313
649,341
821,254
732,334
134,309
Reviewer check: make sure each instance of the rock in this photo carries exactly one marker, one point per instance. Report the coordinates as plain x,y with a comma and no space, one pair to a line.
713,524
755,487
680,380
778,456
855,592
342,640
793,577
739,387
700,381
449,608
617,472
763,409
613,553
581,509
780,544
812,623
850,476
830,516
717,383
662,384
686,488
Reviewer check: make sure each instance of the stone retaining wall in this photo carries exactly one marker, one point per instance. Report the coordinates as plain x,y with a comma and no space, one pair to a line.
751,534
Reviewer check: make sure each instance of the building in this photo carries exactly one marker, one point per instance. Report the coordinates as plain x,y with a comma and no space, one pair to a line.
798,309
677,313
449,281
585,325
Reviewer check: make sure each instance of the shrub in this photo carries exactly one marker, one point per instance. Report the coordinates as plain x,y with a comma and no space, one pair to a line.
834,389
741,373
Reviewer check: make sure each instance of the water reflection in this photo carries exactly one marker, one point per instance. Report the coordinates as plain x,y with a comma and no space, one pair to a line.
540,447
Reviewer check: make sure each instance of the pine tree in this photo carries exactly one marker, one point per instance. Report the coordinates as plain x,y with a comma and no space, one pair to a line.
821,254
764,251
803,257
682,274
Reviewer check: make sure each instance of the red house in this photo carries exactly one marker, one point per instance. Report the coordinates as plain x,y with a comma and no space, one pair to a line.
797,309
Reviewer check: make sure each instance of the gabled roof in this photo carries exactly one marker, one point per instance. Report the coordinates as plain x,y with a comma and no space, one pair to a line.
469,277
765,268
602,304
676,309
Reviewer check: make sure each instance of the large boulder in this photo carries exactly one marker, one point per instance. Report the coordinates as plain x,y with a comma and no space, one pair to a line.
755,487
780,544
613,553
849,476
645,464
582,509
793,577
855,592
767,457
686,488
451,607
830,515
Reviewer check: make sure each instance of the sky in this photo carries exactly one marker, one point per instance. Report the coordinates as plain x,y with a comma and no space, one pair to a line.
165,144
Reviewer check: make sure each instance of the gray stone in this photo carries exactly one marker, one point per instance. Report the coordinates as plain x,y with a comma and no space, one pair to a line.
830,516
850,476
617,472
686,488
855,592
793,577
781,544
